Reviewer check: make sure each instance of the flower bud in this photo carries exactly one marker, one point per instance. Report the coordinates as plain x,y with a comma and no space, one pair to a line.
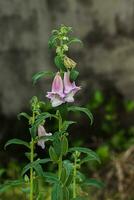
69,63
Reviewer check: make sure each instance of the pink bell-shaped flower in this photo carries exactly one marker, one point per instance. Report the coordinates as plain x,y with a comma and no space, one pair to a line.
42,132
69,88
56,95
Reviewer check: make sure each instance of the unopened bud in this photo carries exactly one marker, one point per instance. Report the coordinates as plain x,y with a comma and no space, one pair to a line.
69,63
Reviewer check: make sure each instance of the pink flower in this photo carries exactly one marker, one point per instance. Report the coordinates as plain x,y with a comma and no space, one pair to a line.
56,95
69,88
42,132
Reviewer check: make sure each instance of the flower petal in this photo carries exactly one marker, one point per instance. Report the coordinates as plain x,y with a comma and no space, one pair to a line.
67,84
57,85
42,132
69,88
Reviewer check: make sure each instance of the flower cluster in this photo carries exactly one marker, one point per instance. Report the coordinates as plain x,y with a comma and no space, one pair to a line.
62,90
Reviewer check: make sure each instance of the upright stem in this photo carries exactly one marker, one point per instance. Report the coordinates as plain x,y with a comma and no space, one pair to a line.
74,177
60,159
31,169
31,160
60,167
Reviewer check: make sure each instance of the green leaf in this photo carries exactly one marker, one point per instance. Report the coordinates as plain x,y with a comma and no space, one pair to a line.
79,198
74,40
23,114
69,170
57,192
38,169
87,151
86,159
81,109
66,124
63,175
74,74
34,164
53,155
65,193
41,74
57,146
50,177
9,184
45,138
59,62
52,41
18,142
64,145
94,182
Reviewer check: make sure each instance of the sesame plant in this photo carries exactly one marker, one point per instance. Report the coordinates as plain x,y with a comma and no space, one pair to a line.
66,181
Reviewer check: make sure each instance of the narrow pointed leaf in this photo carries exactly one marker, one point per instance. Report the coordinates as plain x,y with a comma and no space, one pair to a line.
34,164
23,114
40,75
94,182
81,109
64,146
17,142
87,151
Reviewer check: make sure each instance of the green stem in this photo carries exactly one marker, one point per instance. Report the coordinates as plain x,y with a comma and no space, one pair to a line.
74,177
31,169
60,159
60,167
